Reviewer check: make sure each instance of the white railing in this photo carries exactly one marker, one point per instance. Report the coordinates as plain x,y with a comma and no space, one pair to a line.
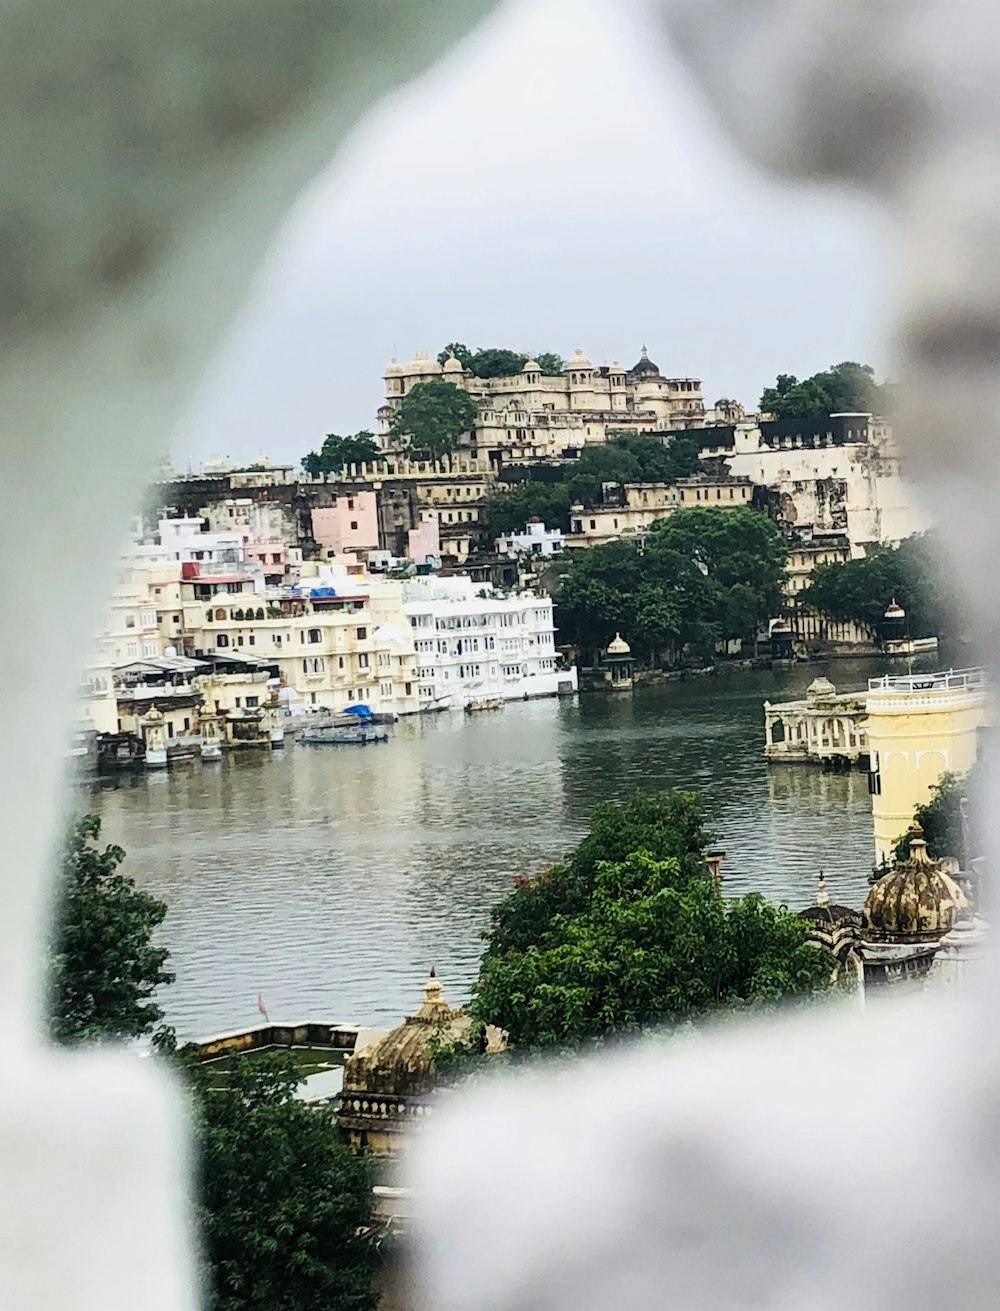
945,681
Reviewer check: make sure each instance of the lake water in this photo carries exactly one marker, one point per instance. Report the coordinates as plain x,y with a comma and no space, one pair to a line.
329,879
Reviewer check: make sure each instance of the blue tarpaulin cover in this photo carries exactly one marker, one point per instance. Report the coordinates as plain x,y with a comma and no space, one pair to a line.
362,711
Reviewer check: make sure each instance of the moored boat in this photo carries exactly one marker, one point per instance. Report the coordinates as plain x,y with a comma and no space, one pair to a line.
360,735
481,703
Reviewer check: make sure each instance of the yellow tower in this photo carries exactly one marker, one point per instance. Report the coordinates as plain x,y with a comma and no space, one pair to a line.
919,727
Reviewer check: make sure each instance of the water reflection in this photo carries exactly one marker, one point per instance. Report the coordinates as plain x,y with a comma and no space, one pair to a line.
330,879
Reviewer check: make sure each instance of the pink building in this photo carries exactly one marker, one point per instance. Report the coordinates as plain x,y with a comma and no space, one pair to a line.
349,525
425,539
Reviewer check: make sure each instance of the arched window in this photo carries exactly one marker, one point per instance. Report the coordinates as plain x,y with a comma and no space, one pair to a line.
315,635
237,614
220,615
260,612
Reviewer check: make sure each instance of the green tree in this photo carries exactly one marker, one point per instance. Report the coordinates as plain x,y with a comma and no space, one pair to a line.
953,819
104,968
337,451
498,361
460,351
740,553
844,387
910,574
508,510
431,417
617,940
631,458
285,1208
550,364
655,623
595,598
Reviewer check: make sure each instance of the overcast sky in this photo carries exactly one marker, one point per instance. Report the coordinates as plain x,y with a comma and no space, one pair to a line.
554,181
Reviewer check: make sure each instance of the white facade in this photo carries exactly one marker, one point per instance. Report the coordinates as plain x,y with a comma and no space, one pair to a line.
470,646
535,540
855,487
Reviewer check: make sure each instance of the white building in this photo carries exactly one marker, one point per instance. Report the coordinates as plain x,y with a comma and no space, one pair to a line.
471,645
535,540
845,478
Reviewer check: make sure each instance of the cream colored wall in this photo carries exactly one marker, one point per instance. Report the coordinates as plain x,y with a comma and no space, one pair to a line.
918,736
131,718
225,692
347,663
608,524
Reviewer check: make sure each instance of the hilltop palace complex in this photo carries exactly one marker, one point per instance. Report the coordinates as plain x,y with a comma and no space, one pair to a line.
536,415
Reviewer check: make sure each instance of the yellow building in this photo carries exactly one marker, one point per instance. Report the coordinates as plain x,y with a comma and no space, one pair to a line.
919,727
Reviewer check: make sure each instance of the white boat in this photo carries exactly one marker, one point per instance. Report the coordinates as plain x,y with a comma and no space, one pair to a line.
359,735
481,703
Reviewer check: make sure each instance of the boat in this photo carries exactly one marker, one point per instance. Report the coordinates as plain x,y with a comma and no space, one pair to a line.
480,703
359,735
434,705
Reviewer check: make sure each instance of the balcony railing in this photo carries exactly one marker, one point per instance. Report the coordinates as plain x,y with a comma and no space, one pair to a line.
947,681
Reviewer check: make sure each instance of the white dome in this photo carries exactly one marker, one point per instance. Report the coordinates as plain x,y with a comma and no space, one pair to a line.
578,361
619,646
422,363
392,368
532,366
615,367
453,364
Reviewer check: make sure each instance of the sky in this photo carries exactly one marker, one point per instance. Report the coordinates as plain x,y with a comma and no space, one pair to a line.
554,181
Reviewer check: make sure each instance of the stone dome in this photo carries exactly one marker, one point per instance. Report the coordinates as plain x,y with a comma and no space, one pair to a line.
917,901
393,368
645,365
820,688
453,365
401,1063
532,366
894,610
616,367
619,646
577,361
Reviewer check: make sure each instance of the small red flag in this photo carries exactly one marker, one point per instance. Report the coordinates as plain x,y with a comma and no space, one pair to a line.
261,1007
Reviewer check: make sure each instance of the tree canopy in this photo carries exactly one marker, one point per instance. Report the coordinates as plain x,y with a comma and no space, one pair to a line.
627,457
508,511
336,451
284,1206
498,361
431,418
910,574
842,388
103,966
631,931
706,575
954,818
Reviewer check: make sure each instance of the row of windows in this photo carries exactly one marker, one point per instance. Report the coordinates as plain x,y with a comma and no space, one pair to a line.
457,517
146,620
718,493
220,615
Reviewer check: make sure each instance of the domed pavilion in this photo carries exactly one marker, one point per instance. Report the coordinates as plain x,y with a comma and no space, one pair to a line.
907,913
387,1086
